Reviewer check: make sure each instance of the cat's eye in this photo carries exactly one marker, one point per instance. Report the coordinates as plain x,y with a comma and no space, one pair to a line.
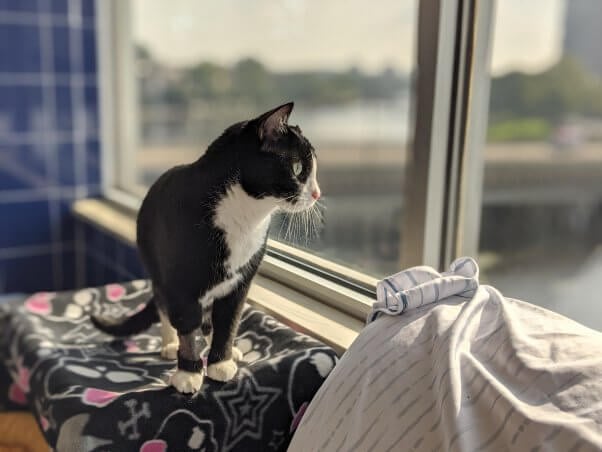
297,168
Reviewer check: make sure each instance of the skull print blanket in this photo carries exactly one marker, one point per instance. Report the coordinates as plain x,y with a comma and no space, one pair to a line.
91,392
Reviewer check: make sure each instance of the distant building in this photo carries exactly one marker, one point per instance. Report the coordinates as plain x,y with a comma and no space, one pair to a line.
583,33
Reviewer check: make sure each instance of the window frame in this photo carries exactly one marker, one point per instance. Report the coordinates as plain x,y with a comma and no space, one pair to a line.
444,167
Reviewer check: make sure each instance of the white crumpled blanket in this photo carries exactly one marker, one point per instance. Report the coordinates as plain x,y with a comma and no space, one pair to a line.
446,364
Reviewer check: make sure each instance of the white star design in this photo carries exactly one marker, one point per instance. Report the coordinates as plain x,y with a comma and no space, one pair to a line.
244,408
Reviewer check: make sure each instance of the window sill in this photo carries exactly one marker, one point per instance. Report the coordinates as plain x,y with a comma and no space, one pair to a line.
307,313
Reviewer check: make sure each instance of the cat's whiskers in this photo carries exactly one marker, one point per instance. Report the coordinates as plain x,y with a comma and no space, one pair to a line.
302,225
317,218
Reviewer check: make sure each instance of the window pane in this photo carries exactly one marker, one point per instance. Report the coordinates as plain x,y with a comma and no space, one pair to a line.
541,229
202,66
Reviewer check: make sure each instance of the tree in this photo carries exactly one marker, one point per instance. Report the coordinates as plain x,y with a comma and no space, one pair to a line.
564,89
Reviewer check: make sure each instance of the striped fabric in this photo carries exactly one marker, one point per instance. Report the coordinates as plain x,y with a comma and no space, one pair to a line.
418,286
446,364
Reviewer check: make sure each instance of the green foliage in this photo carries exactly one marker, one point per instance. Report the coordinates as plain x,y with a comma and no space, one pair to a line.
562,90
522,106
250,82
206,80
520,129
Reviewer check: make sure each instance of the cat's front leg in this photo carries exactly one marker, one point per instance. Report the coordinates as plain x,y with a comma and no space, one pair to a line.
188,378
169,338
207,330
221,364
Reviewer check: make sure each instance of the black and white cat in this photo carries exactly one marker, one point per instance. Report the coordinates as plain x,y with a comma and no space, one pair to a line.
202,231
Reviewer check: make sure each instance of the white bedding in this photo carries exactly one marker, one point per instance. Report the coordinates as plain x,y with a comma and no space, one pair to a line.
446,364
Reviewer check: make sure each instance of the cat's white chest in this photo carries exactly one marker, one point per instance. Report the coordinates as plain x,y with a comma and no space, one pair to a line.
220,290
245,222
244,246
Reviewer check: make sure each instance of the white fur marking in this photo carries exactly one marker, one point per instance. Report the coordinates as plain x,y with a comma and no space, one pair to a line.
186,382
223,370
208,339
305,199
245,221
237,354
170,351
220,290
323,363
311,184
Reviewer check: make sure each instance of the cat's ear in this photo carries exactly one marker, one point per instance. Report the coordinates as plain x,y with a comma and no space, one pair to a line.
273,122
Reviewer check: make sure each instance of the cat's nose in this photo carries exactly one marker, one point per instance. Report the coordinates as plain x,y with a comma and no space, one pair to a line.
316,194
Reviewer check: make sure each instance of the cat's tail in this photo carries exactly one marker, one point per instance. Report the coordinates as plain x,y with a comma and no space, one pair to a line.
131,325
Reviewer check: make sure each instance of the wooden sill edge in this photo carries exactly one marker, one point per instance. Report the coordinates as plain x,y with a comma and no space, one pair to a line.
293,308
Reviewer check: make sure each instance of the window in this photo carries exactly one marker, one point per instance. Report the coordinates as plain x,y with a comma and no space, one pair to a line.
419,163
200,67
174,75
541,226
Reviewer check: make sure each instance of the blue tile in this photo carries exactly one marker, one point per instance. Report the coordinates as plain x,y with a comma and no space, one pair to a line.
98,273
121,277
66,166
26,274
89,264
91,95
32,162
88,9
91,103
68,262
95,272
93,164
110,249
89,50
111,275
93,148
10,176
10,180
20,107
118,261
60,42
19,48
60,7
133,263
24,223
19,5
89,232
97,242
120,252
63,118
23,167
81,279
94,191
67,220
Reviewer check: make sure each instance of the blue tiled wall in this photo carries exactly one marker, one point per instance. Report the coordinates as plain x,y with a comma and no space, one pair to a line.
49,148
102,258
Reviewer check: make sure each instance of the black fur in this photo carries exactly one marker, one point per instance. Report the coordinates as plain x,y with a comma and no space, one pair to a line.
182,249
135,324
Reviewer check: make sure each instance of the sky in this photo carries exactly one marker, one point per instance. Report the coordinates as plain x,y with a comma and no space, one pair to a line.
331,34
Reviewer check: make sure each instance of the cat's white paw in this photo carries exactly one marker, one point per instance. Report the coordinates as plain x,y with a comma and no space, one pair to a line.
170,351
236,354
186,382
222,371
